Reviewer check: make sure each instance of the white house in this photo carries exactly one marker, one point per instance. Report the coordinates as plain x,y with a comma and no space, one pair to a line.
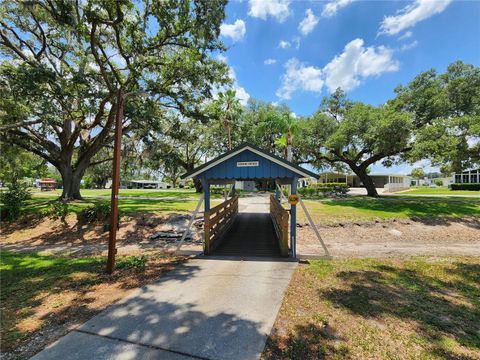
389,182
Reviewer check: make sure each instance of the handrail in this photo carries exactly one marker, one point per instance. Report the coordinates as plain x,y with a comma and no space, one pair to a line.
217,220
280,222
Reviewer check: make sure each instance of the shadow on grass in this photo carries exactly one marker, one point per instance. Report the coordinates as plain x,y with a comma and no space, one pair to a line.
309,341
442,310
30,282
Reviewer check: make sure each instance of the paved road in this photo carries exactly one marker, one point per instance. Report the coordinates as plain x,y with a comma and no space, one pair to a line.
206,308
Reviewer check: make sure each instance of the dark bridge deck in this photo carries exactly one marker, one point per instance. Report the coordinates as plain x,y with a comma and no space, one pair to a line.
251,234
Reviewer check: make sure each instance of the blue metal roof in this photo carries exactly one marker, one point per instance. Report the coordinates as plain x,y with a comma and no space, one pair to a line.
248,162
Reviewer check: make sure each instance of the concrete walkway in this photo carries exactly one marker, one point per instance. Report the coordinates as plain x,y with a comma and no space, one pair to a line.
204,309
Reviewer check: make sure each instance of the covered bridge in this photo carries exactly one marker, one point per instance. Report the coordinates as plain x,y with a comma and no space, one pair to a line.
229,233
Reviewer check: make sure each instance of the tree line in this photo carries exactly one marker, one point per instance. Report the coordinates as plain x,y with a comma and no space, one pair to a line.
64,63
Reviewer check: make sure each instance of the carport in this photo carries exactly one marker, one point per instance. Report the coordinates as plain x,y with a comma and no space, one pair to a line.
228,232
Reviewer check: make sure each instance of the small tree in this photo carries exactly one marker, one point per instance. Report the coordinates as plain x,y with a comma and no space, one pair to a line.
418,173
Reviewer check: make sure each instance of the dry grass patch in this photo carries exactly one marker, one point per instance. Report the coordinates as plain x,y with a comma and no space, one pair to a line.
420,308
43,297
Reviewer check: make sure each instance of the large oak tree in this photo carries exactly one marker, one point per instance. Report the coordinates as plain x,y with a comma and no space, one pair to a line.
354,134
64,62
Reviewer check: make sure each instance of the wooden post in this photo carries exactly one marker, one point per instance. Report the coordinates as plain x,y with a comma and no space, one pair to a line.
112,250
206,216
293,220
206,230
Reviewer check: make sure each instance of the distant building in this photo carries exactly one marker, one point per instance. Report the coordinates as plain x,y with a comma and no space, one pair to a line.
47,184
389,182
467,177
245,185
144,184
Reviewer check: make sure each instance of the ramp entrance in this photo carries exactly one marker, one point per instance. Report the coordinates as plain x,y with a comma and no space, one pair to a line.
251,234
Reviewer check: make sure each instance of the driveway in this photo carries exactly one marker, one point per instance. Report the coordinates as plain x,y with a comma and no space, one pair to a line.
204,309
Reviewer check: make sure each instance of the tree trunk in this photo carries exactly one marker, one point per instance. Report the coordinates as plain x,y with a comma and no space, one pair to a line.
71,182
367,182
198,185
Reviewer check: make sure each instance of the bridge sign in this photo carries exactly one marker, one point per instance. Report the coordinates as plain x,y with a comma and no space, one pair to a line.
293,199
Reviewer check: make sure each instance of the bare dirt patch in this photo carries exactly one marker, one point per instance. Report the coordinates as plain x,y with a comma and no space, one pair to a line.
73,237
395,238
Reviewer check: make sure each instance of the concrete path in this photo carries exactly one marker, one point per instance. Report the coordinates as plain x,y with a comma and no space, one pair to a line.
204,309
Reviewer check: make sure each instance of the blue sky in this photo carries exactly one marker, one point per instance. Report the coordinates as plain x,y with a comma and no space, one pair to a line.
296,52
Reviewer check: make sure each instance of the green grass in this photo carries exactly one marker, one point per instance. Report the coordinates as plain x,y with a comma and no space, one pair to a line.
417,308
26,276
189,193
46,291
328,211
425,190
38,205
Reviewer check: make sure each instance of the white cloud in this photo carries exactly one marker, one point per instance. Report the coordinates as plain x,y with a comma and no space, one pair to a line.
409,46
284,44
357,62
241,94
235,31
405,36
308,23
296,41
270,61
298,76
275,8
222,58
333,6
412,14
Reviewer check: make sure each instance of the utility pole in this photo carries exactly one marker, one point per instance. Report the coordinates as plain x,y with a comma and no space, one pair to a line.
112,249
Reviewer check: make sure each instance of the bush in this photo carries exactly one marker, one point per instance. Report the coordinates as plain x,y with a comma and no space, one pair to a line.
438,182
217,190
13,200
57,210
325,189
471,187
97,212
132,262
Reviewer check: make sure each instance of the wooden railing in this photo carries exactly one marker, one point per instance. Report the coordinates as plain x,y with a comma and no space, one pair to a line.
217,221
280,223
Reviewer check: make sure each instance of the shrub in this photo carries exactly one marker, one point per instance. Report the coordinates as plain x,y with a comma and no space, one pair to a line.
217,190
302,191
326,189
98,212
132,262
471,187
13,200
57,210
438,182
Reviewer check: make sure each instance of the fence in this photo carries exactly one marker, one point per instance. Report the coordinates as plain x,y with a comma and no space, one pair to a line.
280,223
217,220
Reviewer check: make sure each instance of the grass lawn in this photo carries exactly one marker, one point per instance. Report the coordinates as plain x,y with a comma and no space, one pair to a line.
324,211
353,209
180,193
47,292
420,308
38,205
425,190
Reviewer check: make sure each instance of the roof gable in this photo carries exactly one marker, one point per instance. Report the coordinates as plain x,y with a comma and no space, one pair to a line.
232,165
